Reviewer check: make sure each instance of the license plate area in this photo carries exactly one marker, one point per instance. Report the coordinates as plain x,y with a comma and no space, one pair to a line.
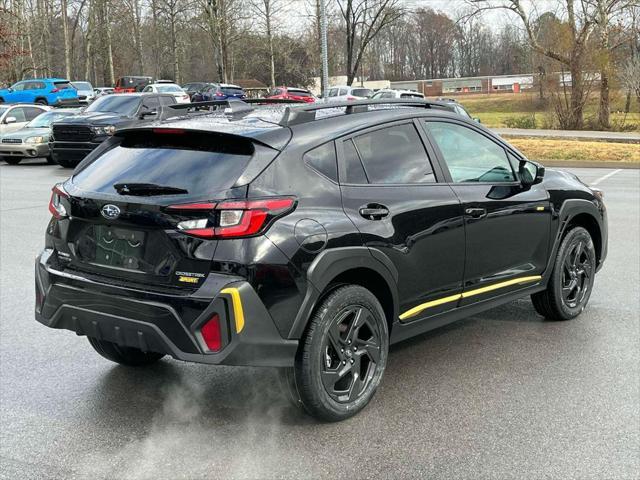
119,247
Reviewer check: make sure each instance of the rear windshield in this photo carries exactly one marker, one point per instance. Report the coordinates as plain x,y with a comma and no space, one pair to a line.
361,92
168,88
200,164
124,105
82,85
300,93
231,91
411,95
62,85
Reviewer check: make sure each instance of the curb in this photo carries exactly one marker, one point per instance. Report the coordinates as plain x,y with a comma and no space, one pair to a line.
584,164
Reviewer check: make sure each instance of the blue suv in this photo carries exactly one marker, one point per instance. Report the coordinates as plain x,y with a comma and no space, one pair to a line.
45,91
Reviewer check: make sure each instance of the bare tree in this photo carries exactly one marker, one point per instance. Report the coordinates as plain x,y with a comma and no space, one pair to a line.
364,19
267,12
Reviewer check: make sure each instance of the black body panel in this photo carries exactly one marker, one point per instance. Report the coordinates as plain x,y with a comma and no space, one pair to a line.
428,259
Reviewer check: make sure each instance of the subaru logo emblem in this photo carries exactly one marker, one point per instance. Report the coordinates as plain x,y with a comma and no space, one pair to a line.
110,212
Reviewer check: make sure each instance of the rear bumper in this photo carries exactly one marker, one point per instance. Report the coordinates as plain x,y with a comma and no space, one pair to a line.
166,322
67,102
23,150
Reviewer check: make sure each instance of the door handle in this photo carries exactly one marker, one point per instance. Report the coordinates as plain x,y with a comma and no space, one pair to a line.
374,212
476,212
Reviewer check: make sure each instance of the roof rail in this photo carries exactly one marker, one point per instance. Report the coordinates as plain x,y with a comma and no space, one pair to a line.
232,106
307,113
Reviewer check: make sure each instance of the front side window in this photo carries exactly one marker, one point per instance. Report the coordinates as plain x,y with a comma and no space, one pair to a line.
469,155
394,155
19,87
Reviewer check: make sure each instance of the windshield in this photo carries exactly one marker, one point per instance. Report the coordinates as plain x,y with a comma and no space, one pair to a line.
361,92
82,85
2,110
168,88
46,119
124,105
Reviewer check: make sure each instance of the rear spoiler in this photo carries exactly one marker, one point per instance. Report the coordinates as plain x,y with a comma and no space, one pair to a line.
231,106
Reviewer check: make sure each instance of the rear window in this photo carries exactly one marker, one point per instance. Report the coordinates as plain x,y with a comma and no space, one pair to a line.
199,163
231,91
300,93
411,95
361,92
62,85
169,88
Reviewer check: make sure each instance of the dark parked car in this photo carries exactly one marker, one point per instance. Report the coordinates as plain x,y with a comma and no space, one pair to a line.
283,237
218,91
193,87
74,137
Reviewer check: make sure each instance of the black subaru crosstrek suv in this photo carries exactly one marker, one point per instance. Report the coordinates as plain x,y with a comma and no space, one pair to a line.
74,137
309,238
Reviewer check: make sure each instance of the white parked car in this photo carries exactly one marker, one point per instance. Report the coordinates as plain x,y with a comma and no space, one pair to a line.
14,117
101,91
172,88
341,93
86,95
388,93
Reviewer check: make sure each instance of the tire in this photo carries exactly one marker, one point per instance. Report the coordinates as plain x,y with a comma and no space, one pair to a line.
131,357
347,339
12,160
572,278
1,100
42,101
50,160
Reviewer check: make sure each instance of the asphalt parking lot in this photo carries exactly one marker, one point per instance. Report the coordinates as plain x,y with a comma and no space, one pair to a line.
499,395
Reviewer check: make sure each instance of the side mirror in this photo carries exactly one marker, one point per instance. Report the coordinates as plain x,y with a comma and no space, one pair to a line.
476,119
148,113
531,173
10,120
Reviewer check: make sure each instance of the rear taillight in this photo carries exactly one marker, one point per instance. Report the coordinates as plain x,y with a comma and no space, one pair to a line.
55,205
211,334
234,218
219,94
351,98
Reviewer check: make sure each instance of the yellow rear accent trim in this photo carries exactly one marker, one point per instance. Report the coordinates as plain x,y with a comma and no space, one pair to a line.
236,302
452,298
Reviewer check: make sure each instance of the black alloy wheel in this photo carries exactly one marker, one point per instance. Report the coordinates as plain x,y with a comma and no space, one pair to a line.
572,278
577,271
351,352
342,356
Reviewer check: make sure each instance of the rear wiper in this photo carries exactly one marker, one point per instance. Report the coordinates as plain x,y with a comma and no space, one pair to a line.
142,189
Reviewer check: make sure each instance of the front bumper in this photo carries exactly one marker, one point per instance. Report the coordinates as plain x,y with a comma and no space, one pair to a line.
167,322
24,150
72,151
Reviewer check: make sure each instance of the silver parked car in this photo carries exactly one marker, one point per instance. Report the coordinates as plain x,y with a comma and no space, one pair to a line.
341,93
32,141
86,95
15,116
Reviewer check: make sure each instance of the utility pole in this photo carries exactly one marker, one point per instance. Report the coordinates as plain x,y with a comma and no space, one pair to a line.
323,47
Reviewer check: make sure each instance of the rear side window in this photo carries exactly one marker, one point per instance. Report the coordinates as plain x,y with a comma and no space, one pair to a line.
360,92
394,155
323,159
200,164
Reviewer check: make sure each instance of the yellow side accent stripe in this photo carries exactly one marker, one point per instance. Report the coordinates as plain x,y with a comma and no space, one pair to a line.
236,302
433,303
452,298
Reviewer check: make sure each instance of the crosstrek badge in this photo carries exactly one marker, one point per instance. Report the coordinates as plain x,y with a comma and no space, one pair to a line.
189,277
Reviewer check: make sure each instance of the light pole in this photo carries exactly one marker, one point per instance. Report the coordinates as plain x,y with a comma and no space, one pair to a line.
323,48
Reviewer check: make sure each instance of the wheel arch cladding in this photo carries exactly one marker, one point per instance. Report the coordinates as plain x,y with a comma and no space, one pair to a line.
349,265
583,213
589,223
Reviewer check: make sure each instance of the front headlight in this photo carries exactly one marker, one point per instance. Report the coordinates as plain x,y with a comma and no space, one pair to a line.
106,130
38,139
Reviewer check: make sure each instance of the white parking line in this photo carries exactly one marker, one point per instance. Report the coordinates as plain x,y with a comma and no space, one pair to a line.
602,179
